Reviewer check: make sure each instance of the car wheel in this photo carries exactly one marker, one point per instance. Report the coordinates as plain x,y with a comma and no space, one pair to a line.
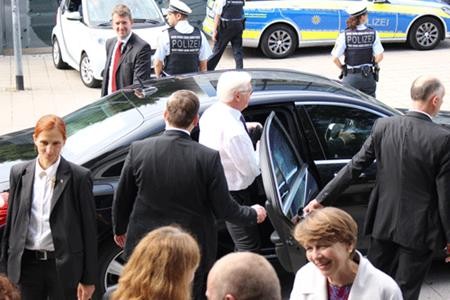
111,265
279,41
56,53
425,34
86,73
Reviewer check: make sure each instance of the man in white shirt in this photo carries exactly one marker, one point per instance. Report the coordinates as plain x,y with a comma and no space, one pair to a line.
223,128
181,48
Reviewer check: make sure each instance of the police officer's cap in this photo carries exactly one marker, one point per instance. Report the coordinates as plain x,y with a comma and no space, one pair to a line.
177,6
358,9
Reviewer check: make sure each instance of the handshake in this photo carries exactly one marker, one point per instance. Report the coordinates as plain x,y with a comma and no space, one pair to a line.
261,213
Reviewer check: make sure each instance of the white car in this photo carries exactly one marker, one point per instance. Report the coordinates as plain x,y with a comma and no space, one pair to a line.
83,26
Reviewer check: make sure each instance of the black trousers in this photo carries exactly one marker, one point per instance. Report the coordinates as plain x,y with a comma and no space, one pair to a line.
407,266
245,238
232,33
359,81
39,280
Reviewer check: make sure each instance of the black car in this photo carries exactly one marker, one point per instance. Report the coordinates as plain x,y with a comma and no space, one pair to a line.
303,113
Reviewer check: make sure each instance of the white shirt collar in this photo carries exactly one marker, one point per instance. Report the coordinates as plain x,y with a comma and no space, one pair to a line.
50,171
422,112
125,40
233,111
183,26
178,129
361,27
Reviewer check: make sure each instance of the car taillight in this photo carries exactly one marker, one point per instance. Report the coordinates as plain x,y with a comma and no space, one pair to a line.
3,207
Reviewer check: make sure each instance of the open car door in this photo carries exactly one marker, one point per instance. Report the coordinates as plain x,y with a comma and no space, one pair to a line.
289,186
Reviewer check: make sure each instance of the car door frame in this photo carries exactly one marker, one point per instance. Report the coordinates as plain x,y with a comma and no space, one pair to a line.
290,254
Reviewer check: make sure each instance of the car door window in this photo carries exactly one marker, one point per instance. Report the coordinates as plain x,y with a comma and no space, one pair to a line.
341,130
293,180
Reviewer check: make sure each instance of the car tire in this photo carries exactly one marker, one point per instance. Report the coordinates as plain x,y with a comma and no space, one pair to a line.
279,41
56,55
425,34
110,266
86,73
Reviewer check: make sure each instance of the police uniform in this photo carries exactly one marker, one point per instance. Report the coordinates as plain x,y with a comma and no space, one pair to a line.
182,47
229,29
359,47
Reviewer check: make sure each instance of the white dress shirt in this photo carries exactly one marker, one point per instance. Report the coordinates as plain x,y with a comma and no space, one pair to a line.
221,129
182,26
39,235
110,70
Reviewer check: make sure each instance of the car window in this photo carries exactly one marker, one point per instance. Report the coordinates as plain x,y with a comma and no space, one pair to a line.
341,130
293,180
99,11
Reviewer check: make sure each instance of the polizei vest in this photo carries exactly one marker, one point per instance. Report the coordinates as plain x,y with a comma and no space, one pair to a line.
184,51
233,10
359,46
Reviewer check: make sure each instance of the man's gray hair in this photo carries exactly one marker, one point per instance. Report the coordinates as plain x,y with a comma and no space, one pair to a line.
426,86
231,82
246,276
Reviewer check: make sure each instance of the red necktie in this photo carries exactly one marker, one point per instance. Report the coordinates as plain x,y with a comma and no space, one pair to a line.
117,55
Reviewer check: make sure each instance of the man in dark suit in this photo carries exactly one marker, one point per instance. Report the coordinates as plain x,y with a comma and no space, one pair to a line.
409,208
49,245
128,57
172,179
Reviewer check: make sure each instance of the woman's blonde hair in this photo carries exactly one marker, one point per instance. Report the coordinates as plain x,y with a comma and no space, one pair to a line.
329,224
160,267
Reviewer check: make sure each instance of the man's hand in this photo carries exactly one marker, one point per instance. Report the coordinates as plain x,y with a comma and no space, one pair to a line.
261,213
214,36
313,205
85,291
120,240
253,125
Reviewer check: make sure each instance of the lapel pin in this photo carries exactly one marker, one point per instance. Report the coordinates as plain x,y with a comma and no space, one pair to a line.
61,180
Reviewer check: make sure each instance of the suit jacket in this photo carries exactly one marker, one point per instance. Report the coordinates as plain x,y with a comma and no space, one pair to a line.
72,223
134,64
172,179
410,203
369,283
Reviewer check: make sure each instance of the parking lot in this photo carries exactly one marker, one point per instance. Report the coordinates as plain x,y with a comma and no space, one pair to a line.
60,91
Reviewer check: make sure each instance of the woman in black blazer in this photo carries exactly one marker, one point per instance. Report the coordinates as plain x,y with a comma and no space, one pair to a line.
49,243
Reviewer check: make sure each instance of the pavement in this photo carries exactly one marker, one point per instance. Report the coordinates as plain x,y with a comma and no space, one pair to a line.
48,90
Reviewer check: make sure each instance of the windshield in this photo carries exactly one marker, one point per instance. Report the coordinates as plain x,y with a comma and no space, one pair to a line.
99,11
89,130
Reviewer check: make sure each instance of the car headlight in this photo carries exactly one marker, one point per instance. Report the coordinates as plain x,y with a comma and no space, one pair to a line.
446,9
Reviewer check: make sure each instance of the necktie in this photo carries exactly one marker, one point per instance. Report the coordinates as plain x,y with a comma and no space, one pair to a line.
241,118
117,55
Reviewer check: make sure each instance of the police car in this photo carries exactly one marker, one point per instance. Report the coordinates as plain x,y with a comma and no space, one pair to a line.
278,28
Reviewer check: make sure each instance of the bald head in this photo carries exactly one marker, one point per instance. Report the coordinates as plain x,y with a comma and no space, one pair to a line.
425,87
427,93
243,276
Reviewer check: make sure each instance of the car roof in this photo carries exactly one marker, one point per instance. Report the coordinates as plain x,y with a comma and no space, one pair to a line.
130,114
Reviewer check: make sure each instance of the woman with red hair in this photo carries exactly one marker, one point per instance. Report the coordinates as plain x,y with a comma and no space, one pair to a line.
49,245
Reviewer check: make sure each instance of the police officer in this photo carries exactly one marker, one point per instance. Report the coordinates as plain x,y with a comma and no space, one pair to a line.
181,48
363,51
228,27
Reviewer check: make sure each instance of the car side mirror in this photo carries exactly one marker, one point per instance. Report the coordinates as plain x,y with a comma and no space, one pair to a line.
73,16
